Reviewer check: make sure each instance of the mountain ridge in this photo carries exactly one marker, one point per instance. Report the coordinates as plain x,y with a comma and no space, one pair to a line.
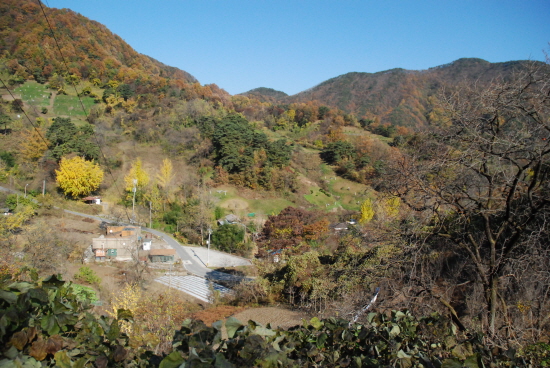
399,96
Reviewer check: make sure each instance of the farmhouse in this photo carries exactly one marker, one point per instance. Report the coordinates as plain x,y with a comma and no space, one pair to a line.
162,255
120,243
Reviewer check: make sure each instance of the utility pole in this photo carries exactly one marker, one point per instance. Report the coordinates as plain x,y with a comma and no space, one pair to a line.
26,190
43,187
150,222
208,251
134,201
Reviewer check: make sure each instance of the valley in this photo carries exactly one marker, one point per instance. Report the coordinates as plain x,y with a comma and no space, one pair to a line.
397,218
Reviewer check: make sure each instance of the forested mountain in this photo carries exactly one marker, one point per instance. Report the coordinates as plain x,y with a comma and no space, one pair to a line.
89,48
265,94
430,188
397,96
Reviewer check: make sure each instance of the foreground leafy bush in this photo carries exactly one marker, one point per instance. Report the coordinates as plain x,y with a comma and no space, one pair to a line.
43,324
399,340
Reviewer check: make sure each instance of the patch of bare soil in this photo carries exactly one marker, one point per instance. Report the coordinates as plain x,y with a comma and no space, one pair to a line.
211,315
235,203
276,316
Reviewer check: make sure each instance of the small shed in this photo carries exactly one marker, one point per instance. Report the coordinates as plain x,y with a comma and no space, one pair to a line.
147,244
162,255
92,200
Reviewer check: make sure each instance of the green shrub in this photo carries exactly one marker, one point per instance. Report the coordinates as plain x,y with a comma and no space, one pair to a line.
87,275
84,293
15,200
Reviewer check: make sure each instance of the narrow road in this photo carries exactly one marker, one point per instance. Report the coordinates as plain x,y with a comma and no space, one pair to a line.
194,259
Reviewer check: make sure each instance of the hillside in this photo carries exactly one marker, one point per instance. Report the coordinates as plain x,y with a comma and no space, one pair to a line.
397,96
328,189
91,51
265,94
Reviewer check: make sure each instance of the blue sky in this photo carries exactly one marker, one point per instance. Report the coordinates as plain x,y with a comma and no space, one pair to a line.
293,45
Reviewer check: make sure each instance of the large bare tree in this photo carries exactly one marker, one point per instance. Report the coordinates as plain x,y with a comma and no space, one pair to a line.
480,179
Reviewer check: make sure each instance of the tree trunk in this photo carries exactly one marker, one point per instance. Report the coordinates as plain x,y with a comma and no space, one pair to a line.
493,301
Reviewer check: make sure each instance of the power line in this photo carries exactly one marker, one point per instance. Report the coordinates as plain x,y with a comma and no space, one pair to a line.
83,108
30,121
81,104
24,113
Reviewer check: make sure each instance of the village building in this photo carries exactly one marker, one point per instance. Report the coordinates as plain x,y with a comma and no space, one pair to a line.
120,243
162,255
92,200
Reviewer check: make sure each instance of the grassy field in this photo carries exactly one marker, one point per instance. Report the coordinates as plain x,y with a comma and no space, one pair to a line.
360,132
348,192
233,202
70,105
321,200
34,93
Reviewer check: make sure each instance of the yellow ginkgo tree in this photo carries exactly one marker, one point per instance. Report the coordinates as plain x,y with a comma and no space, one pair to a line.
78,177
138,174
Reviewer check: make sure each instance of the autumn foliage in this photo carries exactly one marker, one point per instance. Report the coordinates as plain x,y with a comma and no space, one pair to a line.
291,228
78,177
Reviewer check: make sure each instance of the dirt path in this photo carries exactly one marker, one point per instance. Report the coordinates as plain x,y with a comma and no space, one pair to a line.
276,316
52,100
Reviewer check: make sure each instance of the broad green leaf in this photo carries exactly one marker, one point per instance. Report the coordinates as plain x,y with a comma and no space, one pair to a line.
172,360
222,362
21,286
20,362
8,296
114,331
232,325
321,339
316,323
395,331
218,325
263,331
80,363
11,353
62,360
370,317
53,280
49,324
39,294
399,315
7,363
